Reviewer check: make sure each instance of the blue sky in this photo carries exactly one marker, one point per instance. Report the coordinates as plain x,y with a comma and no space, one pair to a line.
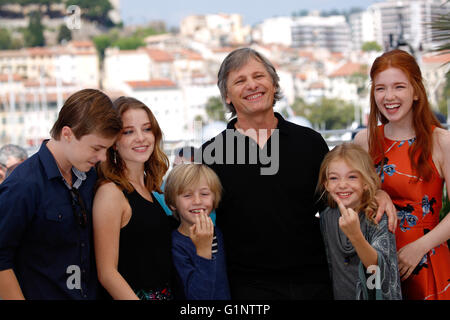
172,11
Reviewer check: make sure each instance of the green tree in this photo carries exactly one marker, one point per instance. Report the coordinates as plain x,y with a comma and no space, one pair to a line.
215,109
371,46
94,10
327,114
64,33
34,33
5,39
128,43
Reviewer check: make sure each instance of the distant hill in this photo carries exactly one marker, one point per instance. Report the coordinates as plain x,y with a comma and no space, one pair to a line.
91,10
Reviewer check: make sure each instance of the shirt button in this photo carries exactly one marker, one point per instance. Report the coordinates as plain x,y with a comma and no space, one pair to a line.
82,244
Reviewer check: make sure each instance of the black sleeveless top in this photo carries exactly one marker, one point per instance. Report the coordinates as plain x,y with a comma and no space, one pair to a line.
145,245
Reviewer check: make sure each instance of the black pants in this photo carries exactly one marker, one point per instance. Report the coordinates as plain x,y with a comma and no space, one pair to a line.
252,289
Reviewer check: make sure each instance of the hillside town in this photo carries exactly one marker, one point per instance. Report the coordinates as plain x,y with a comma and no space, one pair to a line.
175,73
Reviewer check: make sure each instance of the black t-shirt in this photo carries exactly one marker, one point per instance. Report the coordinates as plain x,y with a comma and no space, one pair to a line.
267,212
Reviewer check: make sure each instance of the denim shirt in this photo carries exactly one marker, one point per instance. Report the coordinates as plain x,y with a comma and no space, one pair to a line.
51,255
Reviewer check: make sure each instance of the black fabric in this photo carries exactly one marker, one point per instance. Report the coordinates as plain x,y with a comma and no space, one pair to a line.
145,246
268,221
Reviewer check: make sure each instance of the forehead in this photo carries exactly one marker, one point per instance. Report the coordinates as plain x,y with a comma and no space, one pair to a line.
391,75
134,116
94,139
251,64
340,165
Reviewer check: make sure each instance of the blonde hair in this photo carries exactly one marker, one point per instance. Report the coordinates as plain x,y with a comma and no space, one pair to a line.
184,176
357,158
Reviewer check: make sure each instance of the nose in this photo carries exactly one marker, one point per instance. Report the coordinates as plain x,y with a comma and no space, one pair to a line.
139,135
196,198
251,84
102,155
342,183
390,94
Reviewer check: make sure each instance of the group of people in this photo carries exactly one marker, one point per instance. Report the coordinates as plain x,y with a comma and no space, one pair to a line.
93,214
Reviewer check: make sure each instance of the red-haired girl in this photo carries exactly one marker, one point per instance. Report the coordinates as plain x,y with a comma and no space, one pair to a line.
411,153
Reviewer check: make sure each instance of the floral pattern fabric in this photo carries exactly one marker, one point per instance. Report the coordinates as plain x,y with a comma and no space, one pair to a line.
418,203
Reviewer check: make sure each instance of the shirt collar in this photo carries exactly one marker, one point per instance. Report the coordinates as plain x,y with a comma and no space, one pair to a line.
281,123
51,168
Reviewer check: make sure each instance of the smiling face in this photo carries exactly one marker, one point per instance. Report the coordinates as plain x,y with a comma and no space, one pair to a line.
250,89
194,200
394,95
137,141
345,183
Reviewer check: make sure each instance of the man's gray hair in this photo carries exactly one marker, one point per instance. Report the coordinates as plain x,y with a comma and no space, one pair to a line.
234,61
12,150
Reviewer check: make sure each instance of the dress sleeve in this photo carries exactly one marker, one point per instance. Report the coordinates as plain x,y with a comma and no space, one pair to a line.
385,283
197,274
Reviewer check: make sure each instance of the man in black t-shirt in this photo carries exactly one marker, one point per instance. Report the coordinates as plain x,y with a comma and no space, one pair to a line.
269,169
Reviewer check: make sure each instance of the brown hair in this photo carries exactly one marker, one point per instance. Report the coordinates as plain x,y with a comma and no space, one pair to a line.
184,176
358,159
423,116
114,168
88,111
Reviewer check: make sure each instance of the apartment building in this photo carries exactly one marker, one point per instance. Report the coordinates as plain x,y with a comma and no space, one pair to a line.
215,29
75,62
391,23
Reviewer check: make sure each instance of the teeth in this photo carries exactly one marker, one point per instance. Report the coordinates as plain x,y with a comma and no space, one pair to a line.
344,194
392,106
139,148
196,211
254,96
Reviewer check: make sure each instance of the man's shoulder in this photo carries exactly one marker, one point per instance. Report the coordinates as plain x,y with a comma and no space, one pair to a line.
302,130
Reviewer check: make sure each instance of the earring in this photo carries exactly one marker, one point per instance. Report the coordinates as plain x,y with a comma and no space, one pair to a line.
115,157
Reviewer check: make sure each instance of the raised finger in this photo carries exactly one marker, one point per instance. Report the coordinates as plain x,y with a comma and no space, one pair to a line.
342,208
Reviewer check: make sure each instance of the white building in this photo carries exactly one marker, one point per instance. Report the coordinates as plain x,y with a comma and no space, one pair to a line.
215,29
76,62
385,21
165,100
363,28
313,31
274,31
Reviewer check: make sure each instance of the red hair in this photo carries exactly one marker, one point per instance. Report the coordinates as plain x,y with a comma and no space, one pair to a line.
423,117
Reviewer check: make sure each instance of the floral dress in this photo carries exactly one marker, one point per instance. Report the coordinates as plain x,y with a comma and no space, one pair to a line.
418,204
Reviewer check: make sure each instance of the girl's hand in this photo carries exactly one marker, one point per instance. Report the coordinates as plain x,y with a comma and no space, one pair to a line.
201,234
349,221
409,257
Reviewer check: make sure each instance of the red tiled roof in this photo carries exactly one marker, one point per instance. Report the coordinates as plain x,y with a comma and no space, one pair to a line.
155,83
158,55
317,85
348,69
5,77
436,58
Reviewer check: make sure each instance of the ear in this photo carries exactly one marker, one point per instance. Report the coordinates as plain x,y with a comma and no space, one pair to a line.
172,208
326,186
415,98
67,134
228,100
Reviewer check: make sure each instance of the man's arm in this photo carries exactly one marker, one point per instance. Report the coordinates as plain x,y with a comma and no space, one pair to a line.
15,211
9,286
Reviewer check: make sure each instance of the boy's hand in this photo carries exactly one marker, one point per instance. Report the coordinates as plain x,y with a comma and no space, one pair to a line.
201,234
349,221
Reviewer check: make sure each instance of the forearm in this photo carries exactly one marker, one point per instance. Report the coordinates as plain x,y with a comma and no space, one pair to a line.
436,236
366,253
116,285
9,286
